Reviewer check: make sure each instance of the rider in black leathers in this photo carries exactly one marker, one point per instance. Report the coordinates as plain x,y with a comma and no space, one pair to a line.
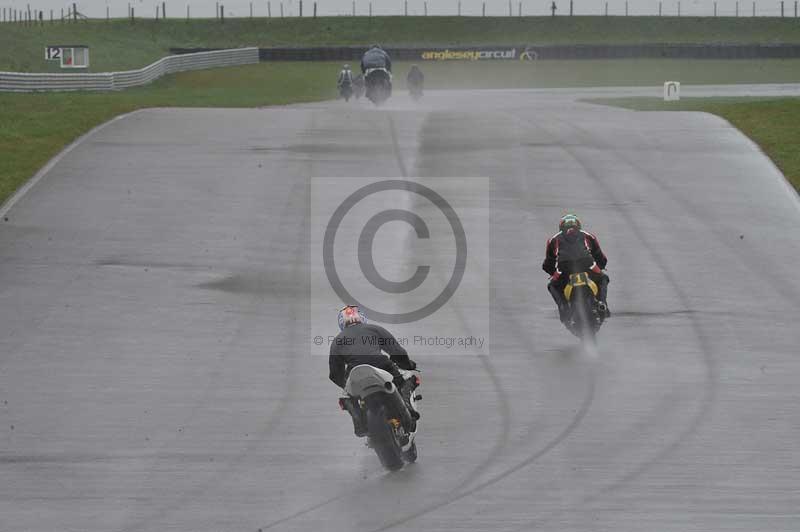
574,250
360,342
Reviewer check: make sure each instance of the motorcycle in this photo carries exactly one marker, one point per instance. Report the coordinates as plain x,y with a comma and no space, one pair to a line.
415,90
378,83
358,86
346,90
379,412
584,316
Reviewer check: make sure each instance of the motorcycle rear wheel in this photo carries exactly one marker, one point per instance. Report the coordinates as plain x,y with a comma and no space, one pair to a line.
382,439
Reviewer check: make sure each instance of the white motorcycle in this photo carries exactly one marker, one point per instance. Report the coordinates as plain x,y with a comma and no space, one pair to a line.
377,406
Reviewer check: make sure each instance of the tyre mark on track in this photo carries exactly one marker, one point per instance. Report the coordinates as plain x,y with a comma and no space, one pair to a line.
711,375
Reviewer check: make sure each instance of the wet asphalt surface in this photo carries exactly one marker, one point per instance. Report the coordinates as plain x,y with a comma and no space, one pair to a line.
155,366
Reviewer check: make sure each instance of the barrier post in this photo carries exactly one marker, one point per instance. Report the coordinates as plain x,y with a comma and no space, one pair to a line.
269,9
108,15
370,10
606,10
222,13
75,12
163,10
354,7
483,12
156,12
679,9
659,9
570,7
405,8
626,9
510,14
188,12
754,9
459,8
715,9
795,8
251,9
425,5
216,10
781,8
132,17
737,8
281,9
301,8
519,9
315,10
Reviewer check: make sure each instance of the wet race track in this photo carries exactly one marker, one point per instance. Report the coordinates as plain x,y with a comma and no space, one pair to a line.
156,369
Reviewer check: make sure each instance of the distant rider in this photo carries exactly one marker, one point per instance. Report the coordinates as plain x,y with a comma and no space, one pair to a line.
415,77
345,77
359,342
375,57
573,250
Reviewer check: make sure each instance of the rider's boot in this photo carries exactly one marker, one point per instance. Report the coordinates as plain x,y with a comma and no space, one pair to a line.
359,424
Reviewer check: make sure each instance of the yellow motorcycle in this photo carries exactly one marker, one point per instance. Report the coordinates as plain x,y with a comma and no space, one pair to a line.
584,316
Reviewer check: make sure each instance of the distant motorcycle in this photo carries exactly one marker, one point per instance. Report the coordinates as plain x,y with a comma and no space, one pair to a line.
346,90
378,82
415,90
584,316
358,86
378,407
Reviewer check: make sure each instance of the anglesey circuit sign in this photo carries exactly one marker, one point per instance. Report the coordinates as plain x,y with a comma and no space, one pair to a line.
468,55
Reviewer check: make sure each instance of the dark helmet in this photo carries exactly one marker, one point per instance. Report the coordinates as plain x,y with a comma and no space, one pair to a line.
350,315
570,221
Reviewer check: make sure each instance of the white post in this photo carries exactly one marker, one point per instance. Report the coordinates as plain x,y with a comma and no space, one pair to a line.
672,91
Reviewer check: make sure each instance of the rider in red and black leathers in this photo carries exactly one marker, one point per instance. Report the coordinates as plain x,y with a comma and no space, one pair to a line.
573,250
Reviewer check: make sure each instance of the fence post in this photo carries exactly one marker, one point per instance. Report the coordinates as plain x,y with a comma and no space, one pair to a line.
570,7
216,10
405,8
163,10
483,12
133,19
659,9
606,10
370,9
269,9
737,8
754,9
626,8
222,13
715,9
519,9
301,8
108,15
425,5
795,8
281,9
510,13
781,8
251,9
459,8
188,12
354,7
75,12
315,10
679,9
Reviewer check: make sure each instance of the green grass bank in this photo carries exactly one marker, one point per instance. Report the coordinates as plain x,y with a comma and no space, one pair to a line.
120,45
772,123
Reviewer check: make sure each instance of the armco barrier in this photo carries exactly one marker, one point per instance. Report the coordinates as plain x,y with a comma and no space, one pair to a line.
18,81
554,51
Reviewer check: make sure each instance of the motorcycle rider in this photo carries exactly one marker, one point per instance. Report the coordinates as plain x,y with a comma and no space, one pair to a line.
345,77
375,57
573,250
359,342
415,77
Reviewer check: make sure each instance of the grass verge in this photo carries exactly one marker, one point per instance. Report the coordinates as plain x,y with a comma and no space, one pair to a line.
120,45
771,123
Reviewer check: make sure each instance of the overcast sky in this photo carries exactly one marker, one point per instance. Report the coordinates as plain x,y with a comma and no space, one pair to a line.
205,8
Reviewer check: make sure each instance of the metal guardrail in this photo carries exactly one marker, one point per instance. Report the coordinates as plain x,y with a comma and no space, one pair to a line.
107,81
